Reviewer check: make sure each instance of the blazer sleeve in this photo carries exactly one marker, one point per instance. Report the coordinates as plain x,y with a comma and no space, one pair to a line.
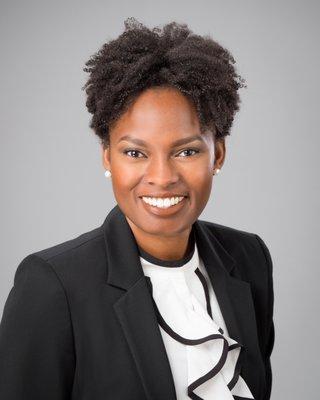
37,357
270,333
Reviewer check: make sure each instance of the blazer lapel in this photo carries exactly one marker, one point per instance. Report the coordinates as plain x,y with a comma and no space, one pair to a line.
134,307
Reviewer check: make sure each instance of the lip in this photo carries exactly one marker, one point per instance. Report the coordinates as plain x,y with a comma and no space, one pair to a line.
164,212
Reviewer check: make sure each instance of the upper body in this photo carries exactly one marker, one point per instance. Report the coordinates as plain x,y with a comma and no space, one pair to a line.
82,320
79,322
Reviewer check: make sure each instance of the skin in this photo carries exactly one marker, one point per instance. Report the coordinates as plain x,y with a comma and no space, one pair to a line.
160,116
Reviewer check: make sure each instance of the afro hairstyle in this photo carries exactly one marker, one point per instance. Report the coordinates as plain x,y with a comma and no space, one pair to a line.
142,58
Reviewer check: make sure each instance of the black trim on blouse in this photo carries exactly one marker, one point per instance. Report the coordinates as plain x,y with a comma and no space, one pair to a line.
192,342
172,263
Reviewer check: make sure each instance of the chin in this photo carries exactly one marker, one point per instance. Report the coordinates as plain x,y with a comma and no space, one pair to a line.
162,226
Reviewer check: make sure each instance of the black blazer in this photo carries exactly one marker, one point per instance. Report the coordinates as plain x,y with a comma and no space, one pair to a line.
79,322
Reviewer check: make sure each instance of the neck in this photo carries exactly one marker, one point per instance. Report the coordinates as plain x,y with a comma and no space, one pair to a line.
164,248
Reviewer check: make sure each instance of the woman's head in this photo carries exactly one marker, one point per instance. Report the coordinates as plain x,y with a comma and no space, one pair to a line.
159,88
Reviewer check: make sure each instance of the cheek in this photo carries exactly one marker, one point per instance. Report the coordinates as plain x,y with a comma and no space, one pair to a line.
124,175
200,177
200,184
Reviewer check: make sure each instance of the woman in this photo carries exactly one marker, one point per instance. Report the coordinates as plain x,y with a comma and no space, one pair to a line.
155,303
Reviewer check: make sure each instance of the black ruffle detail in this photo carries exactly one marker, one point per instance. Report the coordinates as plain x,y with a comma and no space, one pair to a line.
226,347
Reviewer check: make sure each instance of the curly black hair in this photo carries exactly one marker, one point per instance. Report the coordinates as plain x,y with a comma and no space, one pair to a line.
141,58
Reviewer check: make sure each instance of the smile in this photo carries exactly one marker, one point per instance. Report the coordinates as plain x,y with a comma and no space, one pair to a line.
162,202
164,207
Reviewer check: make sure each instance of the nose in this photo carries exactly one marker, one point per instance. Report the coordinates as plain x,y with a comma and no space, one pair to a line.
161,172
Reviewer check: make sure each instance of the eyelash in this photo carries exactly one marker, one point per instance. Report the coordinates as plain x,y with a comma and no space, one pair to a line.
138,151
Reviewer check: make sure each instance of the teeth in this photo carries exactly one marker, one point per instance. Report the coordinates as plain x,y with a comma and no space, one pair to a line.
162,203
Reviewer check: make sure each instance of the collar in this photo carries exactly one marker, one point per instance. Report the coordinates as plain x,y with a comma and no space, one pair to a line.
122,250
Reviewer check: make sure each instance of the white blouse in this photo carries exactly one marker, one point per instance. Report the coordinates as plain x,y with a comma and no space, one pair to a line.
201,354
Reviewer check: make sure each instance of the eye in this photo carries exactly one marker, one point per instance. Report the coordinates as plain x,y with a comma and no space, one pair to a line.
133,151
195,150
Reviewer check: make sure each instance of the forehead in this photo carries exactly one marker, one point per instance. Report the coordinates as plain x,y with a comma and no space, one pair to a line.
158,110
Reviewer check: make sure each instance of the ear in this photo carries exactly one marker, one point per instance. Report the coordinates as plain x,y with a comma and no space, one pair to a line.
219,152
105,153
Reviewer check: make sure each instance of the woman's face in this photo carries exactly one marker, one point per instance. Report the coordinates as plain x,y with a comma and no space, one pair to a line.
156,150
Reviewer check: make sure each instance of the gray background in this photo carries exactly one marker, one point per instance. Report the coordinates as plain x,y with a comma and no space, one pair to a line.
52,182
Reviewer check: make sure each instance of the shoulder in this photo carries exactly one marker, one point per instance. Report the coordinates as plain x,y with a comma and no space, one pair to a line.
64,261
234,238
247,248
227,233
80,243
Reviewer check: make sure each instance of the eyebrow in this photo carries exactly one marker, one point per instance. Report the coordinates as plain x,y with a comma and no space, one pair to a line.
178,142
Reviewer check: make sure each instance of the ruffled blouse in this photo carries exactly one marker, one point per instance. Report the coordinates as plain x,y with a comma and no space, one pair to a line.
202,356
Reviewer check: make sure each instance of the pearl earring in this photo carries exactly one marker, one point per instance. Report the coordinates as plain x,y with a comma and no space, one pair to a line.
217,171
107,173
